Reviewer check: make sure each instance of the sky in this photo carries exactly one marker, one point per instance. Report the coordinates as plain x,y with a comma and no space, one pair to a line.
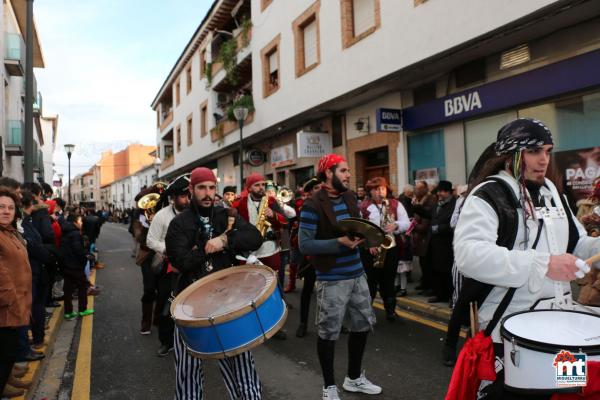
105,62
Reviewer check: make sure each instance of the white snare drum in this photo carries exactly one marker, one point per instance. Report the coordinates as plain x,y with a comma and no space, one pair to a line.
532,339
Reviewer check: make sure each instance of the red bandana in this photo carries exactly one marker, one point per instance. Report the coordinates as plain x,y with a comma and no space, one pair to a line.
329,160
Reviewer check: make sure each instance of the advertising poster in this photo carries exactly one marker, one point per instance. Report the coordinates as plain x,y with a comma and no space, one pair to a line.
579,169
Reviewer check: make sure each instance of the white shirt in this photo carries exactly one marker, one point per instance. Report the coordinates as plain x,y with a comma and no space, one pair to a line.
269,247
158,228
477,256
402,221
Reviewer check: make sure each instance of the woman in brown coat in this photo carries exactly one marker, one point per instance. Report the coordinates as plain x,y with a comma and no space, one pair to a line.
15,283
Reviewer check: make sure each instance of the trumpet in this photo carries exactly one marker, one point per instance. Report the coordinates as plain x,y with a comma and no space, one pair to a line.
148,204
284,195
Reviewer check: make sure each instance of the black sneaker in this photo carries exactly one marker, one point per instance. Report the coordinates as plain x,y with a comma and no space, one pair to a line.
164,350
301,331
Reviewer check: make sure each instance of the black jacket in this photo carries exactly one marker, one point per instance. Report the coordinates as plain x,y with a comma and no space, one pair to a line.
42,223
72,248
91,227
36,251
186,238
440,248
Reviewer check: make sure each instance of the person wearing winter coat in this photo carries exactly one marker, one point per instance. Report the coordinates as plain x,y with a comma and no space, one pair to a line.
75,259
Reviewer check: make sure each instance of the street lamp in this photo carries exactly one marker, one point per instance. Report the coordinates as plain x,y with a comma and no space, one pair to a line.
241,113
69,149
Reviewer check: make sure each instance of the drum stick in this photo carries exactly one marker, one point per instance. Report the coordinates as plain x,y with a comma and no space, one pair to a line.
473,318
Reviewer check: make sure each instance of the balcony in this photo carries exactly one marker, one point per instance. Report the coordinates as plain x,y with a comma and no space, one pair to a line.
232,67
168,162
37,105
14,137
225,127
167,118
14,54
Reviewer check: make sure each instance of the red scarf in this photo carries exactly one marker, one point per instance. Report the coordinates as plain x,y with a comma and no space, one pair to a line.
331,192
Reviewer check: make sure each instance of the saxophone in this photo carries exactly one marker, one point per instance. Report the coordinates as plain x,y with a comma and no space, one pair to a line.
262,224
389,241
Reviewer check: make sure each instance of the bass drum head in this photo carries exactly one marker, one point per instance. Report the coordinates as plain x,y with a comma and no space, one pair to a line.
553,330
223,295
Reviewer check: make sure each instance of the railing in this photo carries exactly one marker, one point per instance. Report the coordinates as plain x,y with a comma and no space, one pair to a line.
37,104
166,120
168,162
14,54
225,127
14,133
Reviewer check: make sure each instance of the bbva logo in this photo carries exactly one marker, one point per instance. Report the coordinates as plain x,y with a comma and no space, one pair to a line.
459,104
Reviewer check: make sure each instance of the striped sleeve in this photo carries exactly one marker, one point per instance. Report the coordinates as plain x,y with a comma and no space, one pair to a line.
308,218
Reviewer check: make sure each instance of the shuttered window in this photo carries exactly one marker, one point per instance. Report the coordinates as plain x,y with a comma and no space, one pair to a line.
363,15
273,67
310,44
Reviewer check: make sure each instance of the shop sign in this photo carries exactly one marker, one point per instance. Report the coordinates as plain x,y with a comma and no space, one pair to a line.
312,144
282,156
255,157
429,175
579,168
389,120
566,76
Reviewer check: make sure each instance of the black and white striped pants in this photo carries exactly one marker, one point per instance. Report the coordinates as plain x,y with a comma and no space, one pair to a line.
239,375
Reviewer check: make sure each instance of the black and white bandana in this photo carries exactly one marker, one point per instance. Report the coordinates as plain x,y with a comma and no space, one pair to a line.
522,134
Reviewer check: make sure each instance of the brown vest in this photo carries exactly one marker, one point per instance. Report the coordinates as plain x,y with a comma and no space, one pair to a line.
322,204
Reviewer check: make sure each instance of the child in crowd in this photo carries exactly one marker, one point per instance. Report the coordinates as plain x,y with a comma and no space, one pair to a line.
75,259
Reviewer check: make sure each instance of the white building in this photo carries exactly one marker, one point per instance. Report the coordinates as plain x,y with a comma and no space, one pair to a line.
123,191
404,89
12,95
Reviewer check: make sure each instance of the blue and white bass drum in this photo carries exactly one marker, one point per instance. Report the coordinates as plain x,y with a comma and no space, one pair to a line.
229,311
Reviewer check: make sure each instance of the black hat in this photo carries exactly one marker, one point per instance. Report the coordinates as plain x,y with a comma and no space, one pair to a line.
446,186
179,186
231,189
522,134
308,186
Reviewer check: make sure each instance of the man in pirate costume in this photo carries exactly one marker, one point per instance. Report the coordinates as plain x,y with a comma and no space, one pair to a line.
342,289
516,233
197,245
388,213
177,194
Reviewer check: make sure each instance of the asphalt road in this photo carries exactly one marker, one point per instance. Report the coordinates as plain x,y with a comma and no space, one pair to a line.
403,357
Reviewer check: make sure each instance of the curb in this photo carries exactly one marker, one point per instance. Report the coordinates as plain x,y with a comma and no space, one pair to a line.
36,367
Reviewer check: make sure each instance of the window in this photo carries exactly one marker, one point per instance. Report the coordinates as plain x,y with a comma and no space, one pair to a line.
189,129
203,119
360,18
470,73
424,93
306,39
270,65
264,4
178,138
202,63
337,130
188,79
177,93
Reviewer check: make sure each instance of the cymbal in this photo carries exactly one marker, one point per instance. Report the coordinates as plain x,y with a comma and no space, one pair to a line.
363,229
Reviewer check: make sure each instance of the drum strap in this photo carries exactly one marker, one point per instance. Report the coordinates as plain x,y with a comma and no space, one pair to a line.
501,309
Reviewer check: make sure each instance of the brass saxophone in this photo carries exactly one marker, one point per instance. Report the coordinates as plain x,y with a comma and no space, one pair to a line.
262,224
389,241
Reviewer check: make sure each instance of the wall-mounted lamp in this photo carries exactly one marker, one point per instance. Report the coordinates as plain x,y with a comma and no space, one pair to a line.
362,124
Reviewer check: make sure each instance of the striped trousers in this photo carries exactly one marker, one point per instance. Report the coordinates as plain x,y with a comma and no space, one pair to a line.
239,374
457,279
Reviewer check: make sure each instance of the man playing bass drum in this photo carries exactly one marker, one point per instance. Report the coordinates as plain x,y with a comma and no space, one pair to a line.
197,244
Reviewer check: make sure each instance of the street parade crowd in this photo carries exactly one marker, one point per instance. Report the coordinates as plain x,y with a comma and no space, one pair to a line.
504,244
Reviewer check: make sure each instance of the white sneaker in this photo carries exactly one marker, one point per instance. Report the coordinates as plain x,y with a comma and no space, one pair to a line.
331,393
361,385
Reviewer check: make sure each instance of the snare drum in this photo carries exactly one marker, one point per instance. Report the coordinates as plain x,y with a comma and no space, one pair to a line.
229,311
532,339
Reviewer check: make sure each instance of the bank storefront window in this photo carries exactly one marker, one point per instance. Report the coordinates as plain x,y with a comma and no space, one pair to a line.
480,133
574,121
426,152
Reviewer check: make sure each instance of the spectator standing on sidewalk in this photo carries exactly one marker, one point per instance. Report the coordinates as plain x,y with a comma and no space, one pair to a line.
74,270
422,204
15,286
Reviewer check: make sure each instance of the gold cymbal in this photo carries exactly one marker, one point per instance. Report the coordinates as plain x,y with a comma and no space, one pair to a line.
362,228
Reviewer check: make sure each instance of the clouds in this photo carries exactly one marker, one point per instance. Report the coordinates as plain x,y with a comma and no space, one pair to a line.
105,61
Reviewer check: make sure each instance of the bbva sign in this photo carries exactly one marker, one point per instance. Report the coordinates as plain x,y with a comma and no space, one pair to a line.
460,104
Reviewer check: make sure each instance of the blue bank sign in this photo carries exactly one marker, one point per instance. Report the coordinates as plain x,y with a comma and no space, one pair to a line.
389,120
566,76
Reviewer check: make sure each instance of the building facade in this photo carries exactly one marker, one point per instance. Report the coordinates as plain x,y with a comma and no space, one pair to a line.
384,83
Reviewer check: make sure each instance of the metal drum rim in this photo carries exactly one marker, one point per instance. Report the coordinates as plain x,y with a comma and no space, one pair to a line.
204,322
535,345
245,347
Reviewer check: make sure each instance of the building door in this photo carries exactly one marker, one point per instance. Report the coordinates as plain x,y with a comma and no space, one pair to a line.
426,156
373,163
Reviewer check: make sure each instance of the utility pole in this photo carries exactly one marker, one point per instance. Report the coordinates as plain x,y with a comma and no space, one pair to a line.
29,156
